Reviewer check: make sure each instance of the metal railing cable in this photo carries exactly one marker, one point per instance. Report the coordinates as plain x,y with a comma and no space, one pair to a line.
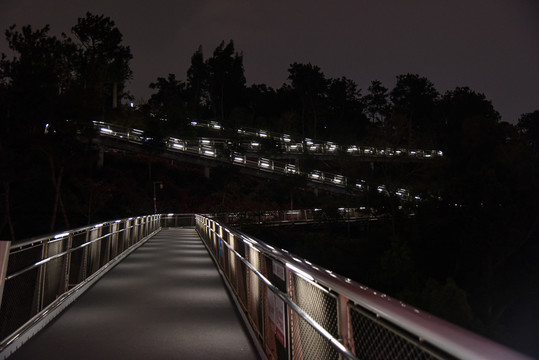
326,316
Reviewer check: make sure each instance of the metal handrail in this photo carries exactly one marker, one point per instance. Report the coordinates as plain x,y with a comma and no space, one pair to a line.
445,338
53,260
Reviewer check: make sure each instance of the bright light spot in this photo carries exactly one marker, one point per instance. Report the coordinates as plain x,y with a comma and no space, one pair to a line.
61,235
299,272
289,168
265,163
105,131
131,104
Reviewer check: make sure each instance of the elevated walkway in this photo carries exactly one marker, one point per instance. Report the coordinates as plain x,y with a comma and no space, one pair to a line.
164,301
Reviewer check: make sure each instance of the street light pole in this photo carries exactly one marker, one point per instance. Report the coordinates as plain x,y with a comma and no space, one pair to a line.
154,195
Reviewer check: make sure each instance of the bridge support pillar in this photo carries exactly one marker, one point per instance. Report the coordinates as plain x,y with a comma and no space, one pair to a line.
101,157
207,172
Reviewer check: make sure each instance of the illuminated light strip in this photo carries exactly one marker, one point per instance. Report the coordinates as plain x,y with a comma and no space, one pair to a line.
301,273
211,153
61,235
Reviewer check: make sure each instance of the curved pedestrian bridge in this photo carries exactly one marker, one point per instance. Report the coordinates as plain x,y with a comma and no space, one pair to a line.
189,287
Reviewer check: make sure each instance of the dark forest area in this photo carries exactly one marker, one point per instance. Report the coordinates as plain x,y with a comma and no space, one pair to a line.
469,254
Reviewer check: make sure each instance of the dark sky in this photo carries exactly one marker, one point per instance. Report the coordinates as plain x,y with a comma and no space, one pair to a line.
492,46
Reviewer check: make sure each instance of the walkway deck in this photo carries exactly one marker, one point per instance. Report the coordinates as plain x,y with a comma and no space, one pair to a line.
165,301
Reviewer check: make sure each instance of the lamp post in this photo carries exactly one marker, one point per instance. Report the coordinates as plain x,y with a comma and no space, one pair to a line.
154,195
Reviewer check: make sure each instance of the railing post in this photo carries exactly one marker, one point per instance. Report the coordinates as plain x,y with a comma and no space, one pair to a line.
67,262
4,257
41,274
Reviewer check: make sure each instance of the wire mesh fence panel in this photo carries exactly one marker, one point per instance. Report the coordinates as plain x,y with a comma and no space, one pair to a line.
373,338
307,343
322,307
320,304
18,302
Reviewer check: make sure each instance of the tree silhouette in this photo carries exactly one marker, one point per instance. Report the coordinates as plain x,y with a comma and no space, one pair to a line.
377,106
102,63
528,126
414,99
310,85
226,80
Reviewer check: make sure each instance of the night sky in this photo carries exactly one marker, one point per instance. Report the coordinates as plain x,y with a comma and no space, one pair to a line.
492,46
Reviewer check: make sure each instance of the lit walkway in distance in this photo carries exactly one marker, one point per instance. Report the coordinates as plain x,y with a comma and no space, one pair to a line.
164,301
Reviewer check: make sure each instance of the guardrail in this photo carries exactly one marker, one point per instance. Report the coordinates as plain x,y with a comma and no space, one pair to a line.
299,310
41,276
220,150
298,216
292,145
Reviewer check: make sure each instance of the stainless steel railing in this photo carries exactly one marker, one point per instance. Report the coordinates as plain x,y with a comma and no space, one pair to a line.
41,276
299,310
296,309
